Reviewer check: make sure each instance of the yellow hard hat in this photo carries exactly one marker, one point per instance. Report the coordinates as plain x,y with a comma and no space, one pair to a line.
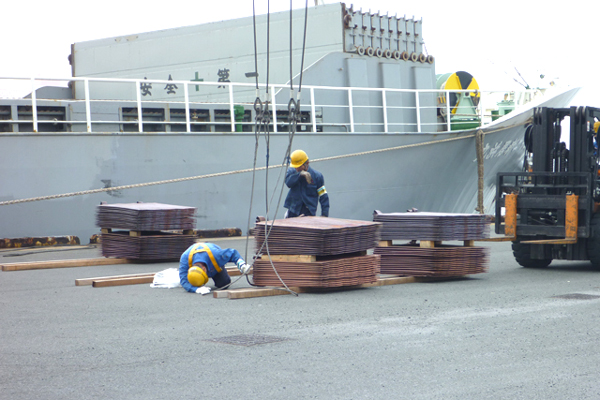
197,276
298,158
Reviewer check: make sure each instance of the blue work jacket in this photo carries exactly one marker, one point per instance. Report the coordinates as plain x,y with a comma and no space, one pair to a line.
221,256
301,192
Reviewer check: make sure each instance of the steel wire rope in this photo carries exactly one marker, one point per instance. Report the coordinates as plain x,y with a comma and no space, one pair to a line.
260,121
293,112
257,113
239,171
268,203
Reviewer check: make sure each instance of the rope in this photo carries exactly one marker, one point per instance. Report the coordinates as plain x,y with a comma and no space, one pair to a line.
239,171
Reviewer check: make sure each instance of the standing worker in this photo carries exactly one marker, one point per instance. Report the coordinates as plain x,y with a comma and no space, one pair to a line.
307,187
207,260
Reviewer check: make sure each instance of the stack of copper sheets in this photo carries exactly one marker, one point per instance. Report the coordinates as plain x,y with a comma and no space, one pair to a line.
145,221
145,216
337,246
441,261
318,236
149,246
433,226
328,272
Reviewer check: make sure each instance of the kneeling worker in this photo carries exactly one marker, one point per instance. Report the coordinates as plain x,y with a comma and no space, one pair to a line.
207,260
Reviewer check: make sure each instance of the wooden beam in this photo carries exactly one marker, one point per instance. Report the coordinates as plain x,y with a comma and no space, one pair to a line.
232,271
89,281
252,292
82,262
499,239
291,258
122,281
391,280
247,293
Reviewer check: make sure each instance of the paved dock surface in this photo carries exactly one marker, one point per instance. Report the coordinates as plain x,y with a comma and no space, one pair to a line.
499,335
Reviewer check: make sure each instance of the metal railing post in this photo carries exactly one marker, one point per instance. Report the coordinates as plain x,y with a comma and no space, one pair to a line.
88,112
186,94
448,124
351,110
312,109
34,106
274,108
232,115
139,105
418,106
385,117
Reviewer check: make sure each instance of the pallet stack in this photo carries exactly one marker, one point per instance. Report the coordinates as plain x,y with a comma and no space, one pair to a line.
137,230
429,257
316,252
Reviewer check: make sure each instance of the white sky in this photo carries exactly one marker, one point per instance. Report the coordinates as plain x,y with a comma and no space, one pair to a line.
487,39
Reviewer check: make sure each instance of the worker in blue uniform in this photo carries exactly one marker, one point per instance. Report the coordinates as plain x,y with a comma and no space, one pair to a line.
202,261
307,188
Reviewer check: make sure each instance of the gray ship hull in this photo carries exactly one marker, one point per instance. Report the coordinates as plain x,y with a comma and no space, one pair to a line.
438,173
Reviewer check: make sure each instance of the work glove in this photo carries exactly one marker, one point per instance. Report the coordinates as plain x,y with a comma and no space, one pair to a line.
203,290
242,266
306,175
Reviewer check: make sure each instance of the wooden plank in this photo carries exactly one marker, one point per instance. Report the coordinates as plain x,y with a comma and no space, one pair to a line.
232,271
252,292
89,281
469,243
424,279
291,258
385,243
106,230
392,280
498,239
247,293
81,262
122,281
428,244
135,233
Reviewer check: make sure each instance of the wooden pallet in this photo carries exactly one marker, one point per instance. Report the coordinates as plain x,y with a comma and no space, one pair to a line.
139,233
426,243
307,258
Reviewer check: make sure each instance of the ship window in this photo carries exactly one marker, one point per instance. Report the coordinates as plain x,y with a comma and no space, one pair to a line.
4,115
152,119
199,119
50,118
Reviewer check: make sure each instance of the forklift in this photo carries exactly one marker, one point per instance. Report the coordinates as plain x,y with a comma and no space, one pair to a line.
550,210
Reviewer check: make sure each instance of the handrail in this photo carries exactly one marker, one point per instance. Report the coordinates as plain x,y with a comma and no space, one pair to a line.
356,99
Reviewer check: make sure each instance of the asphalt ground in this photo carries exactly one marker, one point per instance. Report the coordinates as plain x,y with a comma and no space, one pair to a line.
498,335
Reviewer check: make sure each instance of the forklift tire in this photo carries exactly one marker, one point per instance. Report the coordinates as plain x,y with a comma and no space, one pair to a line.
593,242
522,254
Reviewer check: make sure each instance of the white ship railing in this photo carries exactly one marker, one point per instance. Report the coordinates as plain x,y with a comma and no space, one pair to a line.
24,92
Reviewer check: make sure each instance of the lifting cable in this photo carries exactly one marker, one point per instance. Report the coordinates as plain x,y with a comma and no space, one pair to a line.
293,117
